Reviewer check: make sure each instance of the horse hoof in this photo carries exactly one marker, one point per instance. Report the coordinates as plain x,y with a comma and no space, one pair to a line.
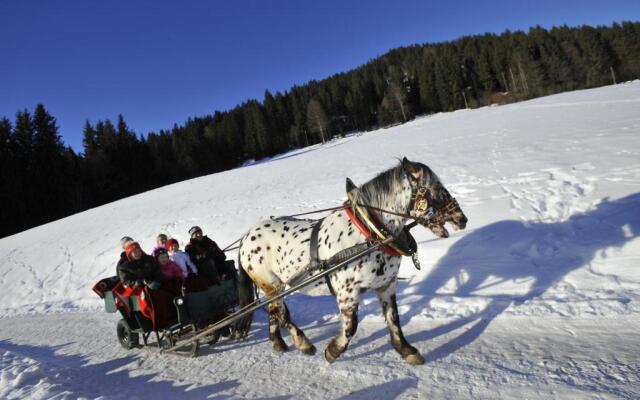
414,359
311,350
327,356
280,347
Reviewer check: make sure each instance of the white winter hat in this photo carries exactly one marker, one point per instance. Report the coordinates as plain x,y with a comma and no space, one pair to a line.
125,240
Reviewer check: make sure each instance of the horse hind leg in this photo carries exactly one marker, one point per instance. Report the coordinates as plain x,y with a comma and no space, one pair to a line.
281,314
274,329
387,299
269,285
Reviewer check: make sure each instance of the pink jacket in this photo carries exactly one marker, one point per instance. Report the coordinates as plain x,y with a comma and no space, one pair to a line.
171,270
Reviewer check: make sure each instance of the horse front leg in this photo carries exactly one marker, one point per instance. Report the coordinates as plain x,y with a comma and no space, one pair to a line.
349,316
387,297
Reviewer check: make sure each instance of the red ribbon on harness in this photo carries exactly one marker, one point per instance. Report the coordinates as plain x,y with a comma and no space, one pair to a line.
366,231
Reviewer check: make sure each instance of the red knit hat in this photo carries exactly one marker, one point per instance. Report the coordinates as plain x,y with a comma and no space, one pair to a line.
130,247
170,243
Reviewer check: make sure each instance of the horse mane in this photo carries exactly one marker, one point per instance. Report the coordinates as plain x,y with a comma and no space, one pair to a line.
382,190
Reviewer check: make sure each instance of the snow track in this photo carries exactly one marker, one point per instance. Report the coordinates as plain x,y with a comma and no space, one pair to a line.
470,357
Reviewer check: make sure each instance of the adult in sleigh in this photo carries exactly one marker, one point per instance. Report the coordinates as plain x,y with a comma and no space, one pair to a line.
280,253
210,260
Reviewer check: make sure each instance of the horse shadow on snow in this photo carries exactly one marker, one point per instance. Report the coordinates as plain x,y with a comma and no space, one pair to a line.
532,256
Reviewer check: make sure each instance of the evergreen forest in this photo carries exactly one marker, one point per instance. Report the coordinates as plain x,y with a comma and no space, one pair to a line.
42,179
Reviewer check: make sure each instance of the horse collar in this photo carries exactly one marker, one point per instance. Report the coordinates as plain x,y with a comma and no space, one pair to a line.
369,229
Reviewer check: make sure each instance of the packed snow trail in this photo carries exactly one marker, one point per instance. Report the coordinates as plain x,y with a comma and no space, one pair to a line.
538,298
553,357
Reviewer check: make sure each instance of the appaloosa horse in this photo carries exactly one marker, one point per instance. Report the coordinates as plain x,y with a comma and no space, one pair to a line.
276,251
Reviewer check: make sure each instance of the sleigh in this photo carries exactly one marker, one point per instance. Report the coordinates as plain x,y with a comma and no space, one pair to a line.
173,315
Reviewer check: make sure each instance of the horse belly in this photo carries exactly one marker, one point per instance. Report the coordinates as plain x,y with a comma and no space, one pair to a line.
318,288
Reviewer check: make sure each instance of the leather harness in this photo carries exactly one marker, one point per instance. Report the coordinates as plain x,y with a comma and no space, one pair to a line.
315,263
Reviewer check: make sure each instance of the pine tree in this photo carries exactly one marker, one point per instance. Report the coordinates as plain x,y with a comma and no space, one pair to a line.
21,145
626,42
449,84
22,141
5,135
276,125
597,56
257,140
429,101
48,166
89,140
7,195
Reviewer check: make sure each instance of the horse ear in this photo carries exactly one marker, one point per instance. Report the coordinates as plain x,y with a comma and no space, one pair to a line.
350,185
408,166
411,168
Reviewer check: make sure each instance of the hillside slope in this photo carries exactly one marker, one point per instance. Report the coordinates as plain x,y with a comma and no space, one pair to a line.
538,297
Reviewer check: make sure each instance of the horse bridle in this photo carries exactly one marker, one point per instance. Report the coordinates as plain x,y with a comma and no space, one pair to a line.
419,204
421,207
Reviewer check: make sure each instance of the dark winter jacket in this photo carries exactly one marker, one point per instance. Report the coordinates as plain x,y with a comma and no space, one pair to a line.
137,272
205,248
122,260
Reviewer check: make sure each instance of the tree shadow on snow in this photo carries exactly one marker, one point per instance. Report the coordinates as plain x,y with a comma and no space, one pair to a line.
536,254
295,153
111,379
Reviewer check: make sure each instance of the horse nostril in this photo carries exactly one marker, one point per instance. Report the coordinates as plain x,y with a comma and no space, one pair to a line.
462,223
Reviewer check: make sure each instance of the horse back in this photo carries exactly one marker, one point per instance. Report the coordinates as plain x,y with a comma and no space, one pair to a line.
275,250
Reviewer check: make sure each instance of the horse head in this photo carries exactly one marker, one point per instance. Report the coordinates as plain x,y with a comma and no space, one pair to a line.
431,203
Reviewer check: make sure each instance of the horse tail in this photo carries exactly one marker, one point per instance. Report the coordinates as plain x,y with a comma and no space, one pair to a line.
246,295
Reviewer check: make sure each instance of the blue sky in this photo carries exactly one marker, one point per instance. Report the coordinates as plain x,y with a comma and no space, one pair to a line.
160,62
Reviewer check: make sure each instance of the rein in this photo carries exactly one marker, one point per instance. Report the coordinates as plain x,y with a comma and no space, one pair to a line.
430,215
307,213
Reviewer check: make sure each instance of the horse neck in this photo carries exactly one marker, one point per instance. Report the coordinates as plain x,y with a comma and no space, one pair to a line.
396,201
393,223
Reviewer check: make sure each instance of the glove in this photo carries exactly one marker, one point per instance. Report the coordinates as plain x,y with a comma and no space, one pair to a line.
154,285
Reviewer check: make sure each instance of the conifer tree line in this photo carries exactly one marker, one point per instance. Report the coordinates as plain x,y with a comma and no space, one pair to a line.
43,180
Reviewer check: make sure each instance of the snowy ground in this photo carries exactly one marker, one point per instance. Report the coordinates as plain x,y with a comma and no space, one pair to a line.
538,298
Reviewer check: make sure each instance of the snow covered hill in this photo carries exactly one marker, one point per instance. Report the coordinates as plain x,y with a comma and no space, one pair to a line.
538,298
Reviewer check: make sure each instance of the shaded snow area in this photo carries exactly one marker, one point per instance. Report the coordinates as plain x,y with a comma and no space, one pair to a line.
538,298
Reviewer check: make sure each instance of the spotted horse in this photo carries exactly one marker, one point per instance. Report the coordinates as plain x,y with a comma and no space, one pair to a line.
277,253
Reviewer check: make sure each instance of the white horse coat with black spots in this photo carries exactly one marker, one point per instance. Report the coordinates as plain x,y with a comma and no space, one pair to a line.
274,251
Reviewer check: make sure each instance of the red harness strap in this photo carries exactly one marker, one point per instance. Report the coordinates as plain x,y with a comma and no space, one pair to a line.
366,231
